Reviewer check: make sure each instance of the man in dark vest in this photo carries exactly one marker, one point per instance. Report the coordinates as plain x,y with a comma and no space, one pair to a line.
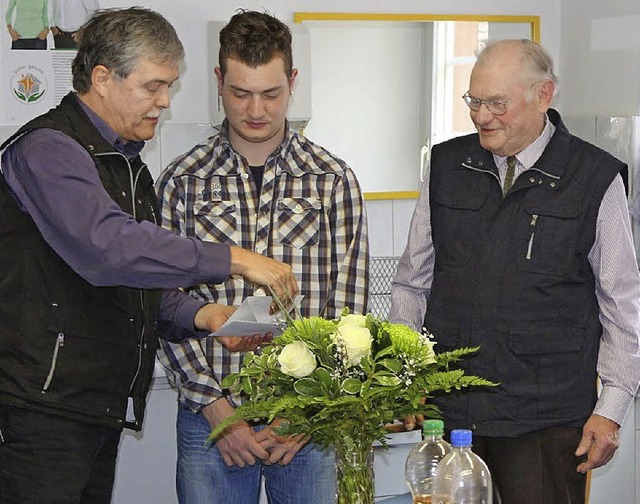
521,243
87,278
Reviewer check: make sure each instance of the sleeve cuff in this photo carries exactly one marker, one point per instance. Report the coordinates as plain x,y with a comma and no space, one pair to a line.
186,314
613,404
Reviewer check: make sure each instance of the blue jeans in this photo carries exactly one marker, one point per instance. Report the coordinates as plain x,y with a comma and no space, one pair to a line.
202,477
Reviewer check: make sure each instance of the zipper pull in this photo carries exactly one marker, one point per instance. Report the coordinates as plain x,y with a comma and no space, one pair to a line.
532,227
54,361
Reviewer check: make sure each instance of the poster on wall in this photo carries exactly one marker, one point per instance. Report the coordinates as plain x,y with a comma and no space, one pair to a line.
38,47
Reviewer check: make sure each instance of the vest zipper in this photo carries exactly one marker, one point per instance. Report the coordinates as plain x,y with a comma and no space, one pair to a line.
482,170
133,183
54,361
546,174
532,232
153,214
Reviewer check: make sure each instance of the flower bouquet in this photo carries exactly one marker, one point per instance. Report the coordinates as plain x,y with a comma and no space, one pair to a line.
339,382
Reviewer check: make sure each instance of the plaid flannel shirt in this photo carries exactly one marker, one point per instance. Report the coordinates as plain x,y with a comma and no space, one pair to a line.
309,214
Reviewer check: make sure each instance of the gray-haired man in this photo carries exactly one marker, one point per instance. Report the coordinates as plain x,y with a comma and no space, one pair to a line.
86,277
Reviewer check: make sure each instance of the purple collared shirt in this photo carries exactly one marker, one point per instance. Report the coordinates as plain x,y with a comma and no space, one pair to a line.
55,181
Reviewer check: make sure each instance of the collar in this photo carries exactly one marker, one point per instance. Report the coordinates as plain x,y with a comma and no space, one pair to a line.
554,160
278,153
129,149
530,154
554,157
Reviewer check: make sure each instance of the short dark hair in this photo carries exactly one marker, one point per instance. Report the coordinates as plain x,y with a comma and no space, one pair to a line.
119,38
255,38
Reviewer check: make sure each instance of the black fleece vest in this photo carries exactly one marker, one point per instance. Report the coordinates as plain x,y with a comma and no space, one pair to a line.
512,275
67,347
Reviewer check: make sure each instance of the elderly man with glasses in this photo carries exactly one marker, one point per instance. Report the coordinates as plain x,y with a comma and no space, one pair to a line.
521,244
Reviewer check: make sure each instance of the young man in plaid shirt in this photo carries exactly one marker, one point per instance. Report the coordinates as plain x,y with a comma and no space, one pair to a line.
263,186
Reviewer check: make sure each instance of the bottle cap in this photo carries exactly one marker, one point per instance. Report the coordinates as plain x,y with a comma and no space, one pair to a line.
433,427
461,437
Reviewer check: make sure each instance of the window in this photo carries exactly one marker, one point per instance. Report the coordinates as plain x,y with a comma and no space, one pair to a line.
455,43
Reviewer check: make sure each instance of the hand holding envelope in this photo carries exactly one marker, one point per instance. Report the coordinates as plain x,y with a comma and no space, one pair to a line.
253,317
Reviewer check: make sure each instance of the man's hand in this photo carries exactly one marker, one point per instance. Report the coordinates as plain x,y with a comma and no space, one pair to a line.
265,271
212,316
281,449
409,423
43,34
600,440
245,343
237,444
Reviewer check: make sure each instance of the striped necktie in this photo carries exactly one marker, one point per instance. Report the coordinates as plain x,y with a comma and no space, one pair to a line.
508,179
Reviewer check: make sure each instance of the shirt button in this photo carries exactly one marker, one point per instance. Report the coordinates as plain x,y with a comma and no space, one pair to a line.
532,180
245,176
124,193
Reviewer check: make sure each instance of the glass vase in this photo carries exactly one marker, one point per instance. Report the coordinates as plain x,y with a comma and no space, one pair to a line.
354,475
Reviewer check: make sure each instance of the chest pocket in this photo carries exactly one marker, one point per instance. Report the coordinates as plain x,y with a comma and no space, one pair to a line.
549,237
216,221
299,221
457,223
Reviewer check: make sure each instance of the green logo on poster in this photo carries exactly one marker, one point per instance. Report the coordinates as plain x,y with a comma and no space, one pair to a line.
29,84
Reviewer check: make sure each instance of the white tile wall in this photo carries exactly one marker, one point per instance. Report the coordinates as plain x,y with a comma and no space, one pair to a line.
389,225
614,483
402,212
380,223
150,455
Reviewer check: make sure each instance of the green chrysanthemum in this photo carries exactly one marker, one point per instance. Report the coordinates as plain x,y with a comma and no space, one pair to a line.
311,328
407,342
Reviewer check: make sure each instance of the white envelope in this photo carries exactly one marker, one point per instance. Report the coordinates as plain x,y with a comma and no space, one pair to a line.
253,317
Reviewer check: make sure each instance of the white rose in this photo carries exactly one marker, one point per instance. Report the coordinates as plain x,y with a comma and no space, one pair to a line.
357,341
353,319
297,360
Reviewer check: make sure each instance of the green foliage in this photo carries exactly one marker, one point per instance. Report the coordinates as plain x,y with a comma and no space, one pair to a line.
334,401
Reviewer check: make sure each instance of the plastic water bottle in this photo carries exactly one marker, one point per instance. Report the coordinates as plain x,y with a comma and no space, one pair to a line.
461,476
423,459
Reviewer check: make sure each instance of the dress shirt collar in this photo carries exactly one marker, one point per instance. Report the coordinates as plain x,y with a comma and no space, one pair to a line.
281,150
528,156
129,149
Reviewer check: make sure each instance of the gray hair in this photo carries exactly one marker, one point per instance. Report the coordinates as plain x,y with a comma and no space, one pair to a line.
119,38
538,64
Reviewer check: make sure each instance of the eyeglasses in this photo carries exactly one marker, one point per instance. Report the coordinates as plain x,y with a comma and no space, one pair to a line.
496,107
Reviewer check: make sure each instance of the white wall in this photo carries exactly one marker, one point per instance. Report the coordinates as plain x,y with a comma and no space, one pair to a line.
371,98
193,92
600,57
